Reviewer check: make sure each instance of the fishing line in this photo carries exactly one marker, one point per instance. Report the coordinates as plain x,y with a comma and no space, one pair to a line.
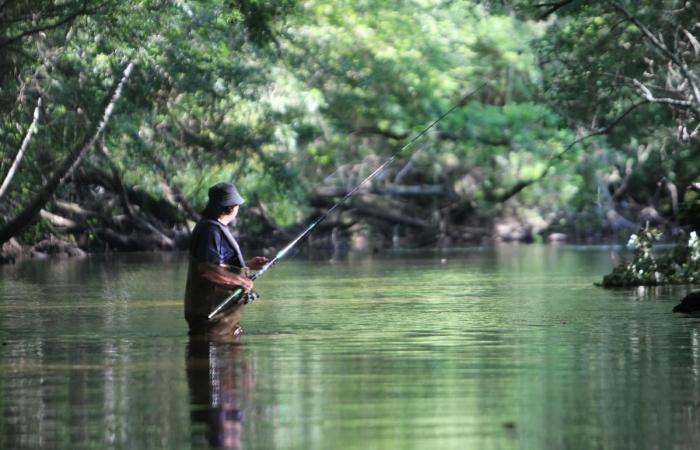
238,292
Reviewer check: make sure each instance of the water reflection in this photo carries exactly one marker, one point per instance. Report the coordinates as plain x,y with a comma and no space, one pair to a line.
218,376
513,348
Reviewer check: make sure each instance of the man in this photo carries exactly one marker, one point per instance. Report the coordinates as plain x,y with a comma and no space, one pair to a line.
217,267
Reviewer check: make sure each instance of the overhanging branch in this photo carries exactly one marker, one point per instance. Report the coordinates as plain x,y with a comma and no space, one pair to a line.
552,7
665,51
598,132
4,42
522,184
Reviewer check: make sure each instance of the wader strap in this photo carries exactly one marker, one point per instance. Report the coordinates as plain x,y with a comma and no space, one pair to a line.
231,240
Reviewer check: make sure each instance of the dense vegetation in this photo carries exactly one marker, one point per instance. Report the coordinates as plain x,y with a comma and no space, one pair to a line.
116,116
681,265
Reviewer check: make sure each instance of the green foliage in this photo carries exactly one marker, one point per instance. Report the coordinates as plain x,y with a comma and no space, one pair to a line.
392,67
596,64
275,96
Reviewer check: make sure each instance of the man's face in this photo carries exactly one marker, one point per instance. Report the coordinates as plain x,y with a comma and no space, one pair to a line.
230,217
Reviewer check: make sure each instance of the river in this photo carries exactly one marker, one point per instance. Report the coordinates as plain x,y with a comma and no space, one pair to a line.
510,347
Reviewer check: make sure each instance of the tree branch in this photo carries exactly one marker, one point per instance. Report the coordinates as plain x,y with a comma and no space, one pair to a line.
69,18
553,7
598,132
649,96
664,50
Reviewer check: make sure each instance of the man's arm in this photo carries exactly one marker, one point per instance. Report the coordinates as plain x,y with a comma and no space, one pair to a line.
218,275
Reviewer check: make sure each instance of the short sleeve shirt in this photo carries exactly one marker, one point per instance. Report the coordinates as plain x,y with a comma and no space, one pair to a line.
209,244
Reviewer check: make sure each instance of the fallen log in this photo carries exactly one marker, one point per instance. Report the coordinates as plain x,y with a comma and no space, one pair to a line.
74,209
159,208
388,216
59,221
164,241
137,240
117,240
378,207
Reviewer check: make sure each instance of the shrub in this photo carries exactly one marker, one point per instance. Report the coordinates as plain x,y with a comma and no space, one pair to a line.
680,266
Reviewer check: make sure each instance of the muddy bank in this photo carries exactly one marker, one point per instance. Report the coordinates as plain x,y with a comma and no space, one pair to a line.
13,251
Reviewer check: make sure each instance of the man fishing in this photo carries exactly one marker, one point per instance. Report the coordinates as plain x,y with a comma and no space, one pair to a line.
217,267
261,264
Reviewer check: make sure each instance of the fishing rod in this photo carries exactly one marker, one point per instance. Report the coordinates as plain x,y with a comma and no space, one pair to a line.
238,292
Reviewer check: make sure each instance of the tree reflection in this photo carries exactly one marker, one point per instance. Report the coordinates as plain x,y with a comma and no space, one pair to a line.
218,375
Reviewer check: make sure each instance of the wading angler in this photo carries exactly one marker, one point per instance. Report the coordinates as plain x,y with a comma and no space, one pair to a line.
217,268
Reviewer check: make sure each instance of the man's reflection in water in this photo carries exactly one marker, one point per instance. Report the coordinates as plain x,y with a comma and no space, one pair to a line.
217,375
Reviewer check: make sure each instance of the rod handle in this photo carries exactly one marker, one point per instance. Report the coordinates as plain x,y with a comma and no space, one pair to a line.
235,294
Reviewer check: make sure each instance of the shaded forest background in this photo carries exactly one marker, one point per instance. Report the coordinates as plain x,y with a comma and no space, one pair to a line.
116,116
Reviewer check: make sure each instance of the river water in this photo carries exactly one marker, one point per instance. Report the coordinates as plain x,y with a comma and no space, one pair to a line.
505,348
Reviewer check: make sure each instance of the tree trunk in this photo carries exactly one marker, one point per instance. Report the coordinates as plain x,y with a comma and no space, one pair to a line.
69,164
22,149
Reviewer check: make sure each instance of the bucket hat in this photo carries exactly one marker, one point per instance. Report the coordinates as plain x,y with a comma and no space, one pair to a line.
224,194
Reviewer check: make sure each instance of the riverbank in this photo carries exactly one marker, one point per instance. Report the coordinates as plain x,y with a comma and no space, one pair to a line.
332,238
13,251
259,232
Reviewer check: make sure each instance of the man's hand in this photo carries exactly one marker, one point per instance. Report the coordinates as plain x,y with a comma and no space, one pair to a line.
257,262
244,282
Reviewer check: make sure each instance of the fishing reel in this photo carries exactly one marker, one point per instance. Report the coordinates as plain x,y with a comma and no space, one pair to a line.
249,297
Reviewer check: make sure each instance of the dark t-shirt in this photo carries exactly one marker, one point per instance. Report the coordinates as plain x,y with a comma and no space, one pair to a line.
209,244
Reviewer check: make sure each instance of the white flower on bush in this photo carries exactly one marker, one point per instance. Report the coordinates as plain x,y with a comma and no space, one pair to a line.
633,241
694,246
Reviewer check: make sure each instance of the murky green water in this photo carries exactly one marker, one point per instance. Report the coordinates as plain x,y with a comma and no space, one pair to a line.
493,349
